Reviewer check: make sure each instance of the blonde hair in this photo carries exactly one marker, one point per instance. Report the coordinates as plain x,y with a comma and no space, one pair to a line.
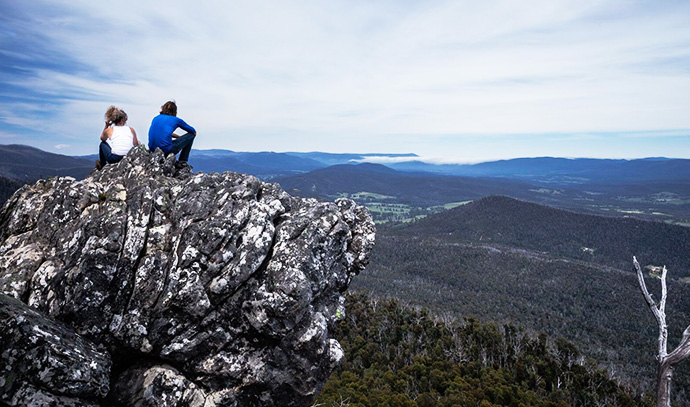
115,115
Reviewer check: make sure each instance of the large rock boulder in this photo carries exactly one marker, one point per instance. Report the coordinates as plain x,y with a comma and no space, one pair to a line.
206,289
46,363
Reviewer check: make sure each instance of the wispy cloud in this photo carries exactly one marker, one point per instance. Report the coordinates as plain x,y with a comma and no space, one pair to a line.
7,137
350,76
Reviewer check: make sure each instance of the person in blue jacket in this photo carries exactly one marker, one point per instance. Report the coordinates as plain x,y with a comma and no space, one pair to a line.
162,133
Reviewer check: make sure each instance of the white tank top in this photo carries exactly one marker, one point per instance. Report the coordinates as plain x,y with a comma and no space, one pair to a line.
121,140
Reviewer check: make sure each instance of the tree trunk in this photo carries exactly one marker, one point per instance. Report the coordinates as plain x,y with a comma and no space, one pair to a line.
663,390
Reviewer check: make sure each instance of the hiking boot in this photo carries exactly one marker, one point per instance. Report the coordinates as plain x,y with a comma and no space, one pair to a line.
182,169
98,165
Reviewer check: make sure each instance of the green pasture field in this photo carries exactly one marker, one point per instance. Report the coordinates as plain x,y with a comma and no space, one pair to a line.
384,208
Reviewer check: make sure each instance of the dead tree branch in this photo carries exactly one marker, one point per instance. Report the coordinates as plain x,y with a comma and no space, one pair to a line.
667,361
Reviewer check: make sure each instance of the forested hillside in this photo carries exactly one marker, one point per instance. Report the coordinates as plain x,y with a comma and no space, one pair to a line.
21,165
413,189
377,186
512,262
28,164
399,356
602,240
7,188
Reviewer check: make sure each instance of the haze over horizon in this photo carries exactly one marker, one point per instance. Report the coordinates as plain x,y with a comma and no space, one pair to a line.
451,81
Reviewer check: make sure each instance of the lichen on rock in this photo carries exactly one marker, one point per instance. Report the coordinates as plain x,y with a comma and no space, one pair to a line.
220,282
39,353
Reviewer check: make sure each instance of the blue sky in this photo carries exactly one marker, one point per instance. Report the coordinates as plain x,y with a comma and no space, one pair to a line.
453,81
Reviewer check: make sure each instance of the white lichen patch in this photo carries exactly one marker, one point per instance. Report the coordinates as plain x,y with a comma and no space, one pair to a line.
218,285
256,367
227,255
335,352
316,329
75,239
224,197
275,207
146,346
198,178
190,253
349,259
40,281
115,323
253,233
16,288
40,332
121,196
225,363
176,346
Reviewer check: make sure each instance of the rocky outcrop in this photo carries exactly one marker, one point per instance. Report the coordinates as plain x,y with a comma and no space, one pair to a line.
47,363
205,289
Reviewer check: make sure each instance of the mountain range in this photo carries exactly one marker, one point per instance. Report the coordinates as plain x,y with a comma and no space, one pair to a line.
564,170
652,188
547,170
20,161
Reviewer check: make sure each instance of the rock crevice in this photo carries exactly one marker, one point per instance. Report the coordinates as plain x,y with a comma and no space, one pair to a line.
219,281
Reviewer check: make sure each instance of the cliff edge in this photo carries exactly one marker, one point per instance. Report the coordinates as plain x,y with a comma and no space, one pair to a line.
191,289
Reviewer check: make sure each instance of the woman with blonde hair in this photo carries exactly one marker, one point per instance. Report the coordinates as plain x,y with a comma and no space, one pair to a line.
116,138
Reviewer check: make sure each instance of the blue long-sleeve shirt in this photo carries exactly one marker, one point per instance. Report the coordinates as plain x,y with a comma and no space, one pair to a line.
161,130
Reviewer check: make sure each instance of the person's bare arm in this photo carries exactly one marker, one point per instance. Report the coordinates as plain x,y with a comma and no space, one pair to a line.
136,141
107,132
175,135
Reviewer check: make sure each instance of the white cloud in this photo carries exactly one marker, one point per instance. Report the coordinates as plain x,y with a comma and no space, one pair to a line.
388,160
353,76
62,146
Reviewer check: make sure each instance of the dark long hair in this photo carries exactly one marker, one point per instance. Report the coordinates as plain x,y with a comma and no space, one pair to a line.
169,108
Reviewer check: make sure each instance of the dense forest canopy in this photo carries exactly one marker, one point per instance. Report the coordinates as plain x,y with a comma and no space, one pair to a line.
398,356
517,263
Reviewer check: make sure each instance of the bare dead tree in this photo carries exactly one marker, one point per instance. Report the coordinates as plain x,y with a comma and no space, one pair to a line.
667,361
